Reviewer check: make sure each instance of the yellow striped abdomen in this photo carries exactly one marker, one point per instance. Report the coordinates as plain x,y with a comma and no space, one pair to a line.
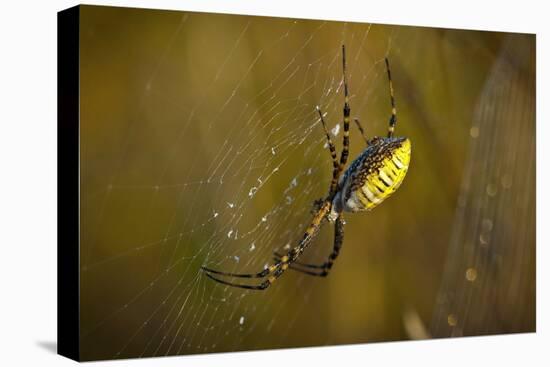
375,175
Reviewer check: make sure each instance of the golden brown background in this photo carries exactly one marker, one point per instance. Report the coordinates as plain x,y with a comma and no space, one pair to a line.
196,126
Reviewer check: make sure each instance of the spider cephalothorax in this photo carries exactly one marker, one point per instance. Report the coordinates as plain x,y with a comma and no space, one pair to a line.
371,178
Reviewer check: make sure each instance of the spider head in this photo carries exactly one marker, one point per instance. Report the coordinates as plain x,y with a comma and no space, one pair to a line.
375,140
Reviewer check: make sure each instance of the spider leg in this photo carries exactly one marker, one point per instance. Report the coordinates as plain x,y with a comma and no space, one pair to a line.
361,130
327,265
345,149
317,205
308,272
274,271
261,286
278,256
260,274
393,118
335,165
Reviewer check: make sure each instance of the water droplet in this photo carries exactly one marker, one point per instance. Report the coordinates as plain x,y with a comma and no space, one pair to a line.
474,132
216,214
236,258
229,233
491,189
487,225
451,320
264,219
273,151
471,274
289,200
506,181
252,247
484,239
252,191
231,205
241,320
335,130
294,182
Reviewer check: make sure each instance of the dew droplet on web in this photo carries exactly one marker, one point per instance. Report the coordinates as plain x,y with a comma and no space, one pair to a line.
229,233
272,150
294,182
474,132
289,200
487,224
491,189
471,274
264,219
335,130
484,239
451,320
252,247
252,191
236,258
231,205
241,320
506,181
216,214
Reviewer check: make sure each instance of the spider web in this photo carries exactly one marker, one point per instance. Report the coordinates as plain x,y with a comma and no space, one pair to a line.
200,145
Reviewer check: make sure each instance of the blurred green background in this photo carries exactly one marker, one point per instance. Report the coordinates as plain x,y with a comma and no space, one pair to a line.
200,144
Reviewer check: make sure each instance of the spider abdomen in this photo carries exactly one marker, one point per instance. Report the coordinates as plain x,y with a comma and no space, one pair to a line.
375,175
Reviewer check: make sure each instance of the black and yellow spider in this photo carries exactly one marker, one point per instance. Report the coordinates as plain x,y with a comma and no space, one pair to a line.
372,177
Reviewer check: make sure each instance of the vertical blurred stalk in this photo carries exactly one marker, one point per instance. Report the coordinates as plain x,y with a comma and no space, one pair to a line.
489,281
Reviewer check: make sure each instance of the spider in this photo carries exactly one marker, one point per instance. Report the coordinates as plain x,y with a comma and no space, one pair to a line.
371,178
